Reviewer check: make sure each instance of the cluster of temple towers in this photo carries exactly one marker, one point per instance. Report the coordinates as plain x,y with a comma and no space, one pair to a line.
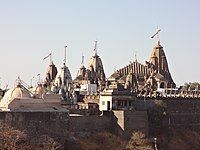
60,81
135,77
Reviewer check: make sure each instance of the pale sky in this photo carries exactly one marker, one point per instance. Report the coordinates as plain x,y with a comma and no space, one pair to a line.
30,30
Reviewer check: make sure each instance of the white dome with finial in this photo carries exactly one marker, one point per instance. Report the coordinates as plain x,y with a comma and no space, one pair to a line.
20,92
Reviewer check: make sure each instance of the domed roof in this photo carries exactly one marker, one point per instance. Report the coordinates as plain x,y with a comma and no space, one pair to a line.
20,92
38,90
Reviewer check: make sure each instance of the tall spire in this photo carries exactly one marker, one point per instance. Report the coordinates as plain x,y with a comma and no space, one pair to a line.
95,48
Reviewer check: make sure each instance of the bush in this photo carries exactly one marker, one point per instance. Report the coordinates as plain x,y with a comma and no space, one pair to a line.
139,142
13,139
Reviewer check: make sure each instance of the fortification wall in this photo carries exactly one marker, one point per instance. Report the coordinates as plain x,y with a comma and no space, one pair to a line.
54,124
169,113
60,125
128,122
89,123
136,121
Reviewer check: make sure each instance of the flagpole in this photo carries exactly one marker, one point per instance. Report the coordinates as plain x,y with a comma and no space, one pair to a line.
158,36
50,57
95,48
82,62
65,60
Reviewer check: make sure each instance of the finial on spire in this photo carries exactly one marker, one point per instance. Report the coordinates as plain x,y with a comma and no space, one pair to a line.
65,55
95,48
18,81
135,56
82,61
51,61
158,35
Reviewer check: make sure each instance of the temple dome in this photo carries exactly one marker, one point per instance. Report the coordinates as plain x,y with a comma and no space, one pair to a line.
19,92
38,89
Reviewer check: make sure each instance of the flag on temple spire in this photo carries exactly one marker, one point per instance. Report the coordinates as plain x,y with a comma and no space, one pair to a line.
47,56
157,32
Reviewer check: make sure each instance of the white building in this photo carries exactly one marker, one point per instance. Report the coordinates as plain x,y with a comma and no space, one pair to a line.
88,89
20,98
114,100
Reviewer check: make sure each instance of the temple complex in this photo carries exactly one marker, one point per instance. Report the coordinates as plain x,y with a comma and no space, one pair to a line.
137,97
137,77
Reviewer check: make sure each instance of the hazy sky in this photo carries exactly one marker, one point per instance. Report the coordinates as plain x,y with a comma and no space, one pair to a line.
30,30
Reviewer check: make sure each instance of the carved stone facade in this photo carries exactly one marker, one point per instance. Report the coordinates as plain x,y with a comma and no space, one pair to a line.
51,74
158,61
94,74
63,85
96,71
137,77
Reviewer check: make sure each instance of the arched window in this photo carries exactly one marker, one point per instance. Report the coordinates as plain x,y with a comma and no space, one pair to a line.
169,85
162,85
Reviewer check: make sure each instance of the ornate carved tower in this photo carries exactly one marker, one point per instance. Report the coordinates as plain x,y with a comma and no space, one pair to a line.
161,69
